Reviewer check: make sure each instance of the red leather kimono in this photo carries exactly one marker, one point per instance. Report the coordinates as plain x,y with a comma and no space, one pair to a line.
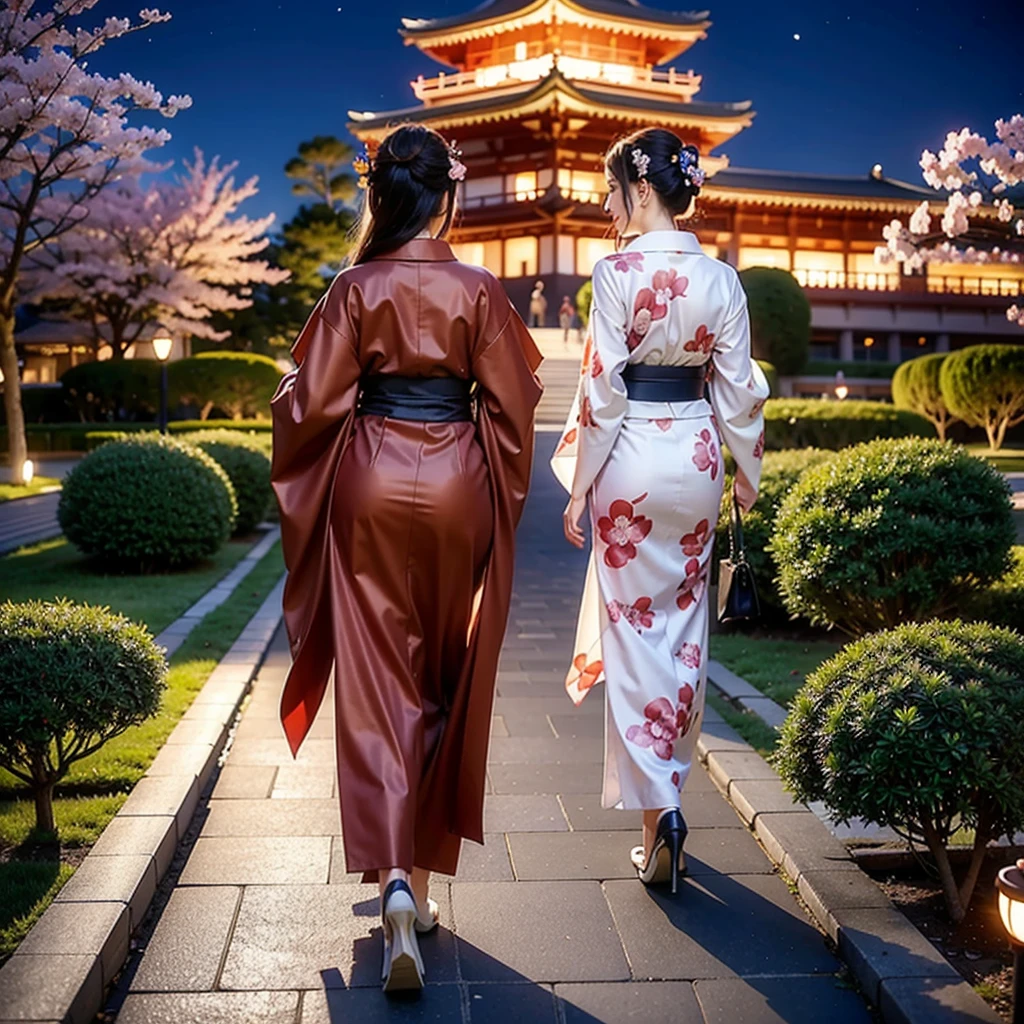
399,541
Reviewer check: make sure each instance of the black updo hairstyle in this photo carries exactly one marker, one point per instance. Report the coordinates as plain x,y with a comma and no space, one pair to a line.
664,170
407,182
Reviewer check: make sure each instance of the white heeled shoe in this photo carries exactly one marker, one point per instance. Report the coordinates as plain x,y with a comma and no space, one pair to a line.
403,965
426,920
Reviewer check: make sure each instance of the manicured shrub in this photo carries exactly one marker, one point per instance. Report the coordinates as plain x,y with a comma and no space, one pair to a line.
1002,603
780,318
71,678
241,384
850,368
890,531
772,376
147,502
780,472
584,296
115,389
822,423
921,729
248,467
915,386
984,386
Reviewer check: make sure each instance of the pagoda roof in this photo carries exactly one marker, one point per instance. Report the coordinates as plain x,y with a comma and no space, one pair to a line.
589,101
497,10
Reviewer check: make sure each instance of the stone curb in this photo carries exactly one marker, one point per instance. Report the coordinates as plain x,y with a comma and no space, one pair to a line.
73,952
897,968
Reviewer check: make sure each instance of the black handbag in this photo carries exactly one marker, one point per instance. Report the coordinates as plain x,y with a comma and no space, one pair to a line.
737,591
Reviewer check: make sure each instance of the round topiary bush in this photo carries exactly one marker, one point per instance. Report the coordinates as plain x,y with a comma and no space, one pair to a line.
247,467
984,386
823,423
147,502
779,473
780,318
71,678
915,386
114,389
890,531
921,729
239,383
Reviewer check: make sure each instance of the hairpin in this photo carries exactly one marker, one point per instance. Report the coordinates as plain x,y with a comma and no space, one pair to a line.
641,161
457,170
361,165
688,167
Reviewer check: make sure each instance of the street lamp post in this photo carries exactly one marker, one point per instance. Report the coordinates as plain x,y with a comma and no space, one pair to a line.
162,345
1010,883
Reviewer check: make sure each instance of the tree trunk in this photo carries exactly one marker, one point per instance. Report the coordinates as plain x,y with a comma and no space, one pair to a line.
1000,434
981,838
990,432
950,890
940,427
43,793
204,413
17,444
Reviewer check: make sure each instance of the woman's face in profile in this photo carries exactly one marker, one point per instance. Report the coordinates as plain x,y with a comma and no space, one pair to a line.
615,205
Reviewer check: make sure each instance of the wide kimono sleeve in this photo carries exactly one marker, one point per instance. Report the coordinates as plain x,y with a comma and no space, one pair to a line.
311,411
601,401
738,388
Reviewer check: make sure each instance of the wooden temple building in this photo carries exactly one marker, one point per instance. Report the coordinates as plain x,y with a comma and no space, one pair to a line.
535,90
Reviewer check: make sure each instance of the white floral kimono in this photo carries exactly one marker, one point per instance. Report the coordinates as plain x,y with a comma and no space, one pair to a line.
654,474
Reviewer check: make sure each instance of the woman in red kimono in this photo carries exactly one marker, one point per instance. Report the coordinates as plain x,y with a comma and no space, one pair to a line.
402,453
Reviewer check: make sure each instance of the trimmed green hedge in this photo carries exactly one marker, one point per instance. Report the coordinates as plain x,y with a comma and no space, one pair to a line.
983,385
830,367
915,386
823,423
772,376
84,437
248,467
240,384
113,389
1002,603
780,318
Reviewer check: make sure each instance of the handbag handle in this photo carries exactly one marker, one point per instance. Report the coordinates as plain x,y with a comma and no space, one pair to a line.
736,550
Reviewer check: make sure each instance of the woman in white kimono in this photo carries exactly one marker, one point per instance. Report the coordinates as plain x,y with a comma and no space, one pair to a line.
644,445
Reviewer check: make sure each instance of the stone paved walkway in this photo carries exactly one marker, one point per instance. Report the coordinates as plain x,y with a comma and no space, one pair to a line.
545,923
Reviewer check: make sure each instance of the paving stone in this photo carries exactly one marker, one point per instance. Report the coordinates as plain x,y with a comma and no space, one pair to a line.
586,814
185,950
544,705
538,931
650,1002
96,929
307,781
222,714
575,726
724,766
155,836
511,1004
881,943
197,759
725,851
538,856
248,782
507,813
172,795
519,725
544,750
718,926
38,988
722,738
933,1001
828,891
126,878
728,682
211,1008
260,860
498,726
273,818
339,874
703,809
274,946
546,778
436,1004
487,863
766,709
780,1001
761,796
799,842
276,751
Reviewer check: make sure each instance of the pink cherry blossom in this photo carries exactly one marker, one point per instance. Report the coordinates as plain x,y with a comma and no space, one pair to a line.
705,453
689,655
626,261
659,731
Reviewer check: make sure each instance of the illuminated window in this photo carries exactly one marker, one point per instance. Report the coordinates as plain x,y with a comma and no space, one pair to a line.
819,269
586,187
710,250
525,186
520,51
764,258
520,257
589,251
470,252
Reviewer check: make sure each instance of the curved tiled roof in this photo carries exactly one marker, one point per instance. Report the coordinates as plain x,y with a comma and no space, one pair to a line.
492,9
866,186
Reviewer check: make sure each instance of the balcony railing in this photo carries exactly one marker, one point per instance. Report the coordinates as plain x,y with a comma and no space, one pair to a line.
1009,287
870,281
530,195
512,72
946,284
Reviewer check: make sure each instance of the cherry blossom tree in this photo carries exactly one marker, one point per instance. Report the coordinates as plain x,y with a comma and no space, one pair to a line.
171,253
64,135
997,233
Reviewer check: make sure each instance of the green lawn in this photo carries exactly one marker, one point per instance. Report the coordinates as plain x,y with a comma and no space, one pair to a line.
32,873
38,485
1008,460
55,568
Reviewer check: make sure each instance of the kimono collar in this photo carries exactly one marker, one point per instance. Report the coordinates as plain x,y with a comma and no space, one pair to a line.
665,241
421,250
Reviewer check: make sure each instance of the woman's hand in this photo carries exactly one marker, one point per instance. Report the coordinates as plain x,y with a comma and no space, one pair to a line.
745,493
571,521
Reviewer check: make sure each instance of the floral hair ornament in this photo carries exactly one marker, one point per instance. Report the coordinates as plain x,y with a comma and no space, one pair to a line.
688,167
361,165
641,161
457,170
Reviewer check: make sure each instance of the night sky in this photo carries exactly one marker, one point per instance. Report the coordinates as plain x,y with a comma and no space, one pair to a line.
865,83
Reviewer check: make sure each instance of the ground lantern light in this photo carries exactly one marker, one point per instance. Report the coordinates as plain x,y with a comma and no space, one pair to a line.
841,388
162,345
1010,883
28,470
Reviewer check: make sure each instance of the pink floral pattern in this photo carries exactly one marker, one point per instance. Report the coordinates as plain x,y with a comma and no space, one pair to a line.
638,614
684,709
587,413
693,543
621,530
705,453
758,451
652,303
689,655
583,673
756,408
664,424
568,439
703,341
627,261
691,590
659,731
675,779
597,367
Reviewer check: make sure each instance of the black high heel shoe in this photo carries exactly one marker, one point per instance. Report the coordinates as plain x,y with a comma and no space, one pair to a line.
666,862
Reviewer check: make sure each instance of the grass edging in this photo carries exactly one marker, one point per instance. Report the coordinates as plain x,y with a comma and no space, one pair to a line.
69,957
